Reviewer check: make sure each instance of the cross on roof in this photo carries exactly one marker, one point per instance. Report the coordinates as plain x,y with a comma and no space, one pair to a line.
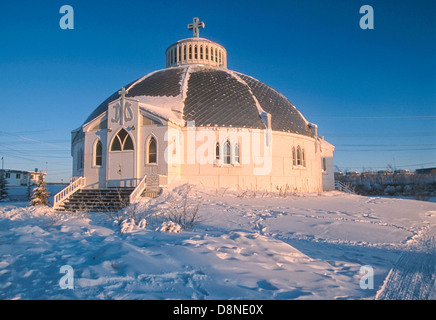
195,26
122,93
123,104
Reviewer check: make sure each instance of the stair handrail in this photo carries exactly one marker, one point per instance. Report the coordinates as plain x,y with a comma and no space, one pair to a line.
65,193
339,185
136,193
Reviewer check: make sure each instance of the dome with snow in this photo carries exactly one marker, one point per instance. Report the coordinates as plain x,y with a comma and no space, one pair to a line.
212,96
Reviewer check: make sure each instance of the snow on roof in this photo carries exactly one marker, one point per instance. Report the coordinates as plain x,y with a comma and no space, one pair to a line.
211,96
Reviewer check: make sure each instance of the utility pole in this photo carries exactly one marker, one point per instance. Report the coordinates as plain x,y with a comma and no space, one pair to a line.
3,163
393,157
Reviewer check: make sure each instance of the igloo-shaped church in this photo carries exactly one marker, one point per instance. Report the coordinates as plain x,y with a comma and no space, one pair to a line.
198,122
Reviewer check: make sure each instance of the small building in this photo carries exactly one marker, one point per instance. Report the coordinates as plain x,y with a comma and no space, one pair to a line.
352,173
327,167
385,172
21,178
368,174
425,170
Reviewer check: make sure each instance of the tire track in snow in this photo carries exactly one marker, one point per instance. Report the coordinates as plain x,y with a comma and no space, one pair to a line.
413,276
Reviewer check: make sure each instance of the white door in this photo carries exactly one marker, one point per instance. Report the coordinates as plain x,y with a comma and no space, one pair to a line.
121,162
121,169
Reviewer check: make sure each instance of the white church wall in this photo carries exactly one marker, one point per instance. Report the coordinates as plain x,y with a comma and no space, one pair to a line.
327,166
76,149
95,174
300,178
174,152
282,174
328,178
161,166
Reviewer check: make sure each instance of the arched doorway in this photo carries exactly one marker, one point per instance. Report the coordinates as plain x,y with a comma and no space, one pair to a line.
121,161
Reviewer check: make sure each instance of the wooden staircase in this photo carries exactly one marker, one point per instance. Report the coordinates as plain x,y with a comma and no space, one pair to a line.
152,188
80,199
97,200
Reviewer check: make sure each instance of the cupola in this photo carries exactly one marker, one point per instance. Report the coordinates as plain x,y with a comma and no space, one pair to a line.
196,50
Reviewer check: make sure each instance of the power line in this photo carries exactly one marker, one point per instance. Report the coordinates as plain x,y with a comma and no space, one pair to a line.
384,150
33,131
397,166
378,117
32,153
36,151
417,164
36,156
382,135
386,145
31,140
15,142
24,158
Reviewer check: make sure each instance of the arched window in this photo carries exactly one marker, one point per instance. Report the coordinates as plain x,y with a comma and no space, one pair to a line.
207,52
184,52
122,141
80,159
195,52
294,157
299,162
190,51
303,158
217,151
237,157
324,164
152,151
98,154
201,52
227,152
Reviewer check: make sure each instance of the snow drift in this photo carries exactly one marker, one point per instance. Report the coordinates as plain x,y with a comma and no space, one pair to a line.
244,246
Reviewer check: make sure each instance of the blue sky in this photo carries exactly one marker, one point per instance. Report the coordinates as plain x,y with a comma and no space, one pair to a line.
371,92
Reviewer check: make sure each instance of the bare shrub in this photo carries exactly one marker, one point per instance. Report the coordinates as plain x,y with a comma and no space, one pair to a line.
184,212
177,206
128,211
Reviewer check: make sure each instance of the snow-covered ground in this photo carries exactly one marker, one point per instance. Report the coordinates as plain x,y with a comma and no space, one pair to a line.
245,245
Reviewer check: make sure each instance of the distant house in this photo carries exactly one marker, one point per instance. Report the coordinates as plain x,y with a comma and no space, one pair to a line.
352,173
426,170
19,178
